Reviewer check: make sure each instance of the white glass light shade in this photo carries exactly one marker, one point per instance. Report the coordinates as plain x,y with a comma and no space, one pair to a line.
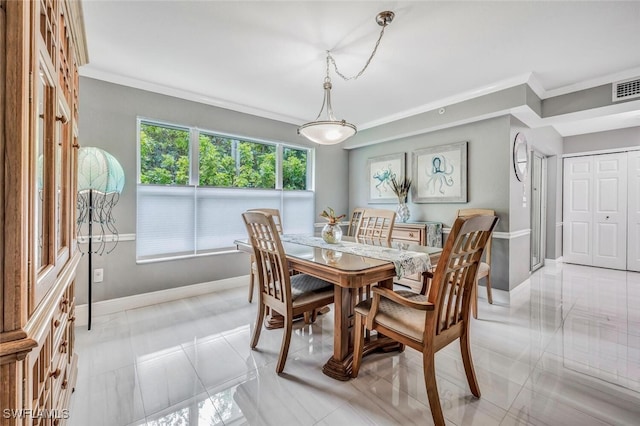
99,170
327,132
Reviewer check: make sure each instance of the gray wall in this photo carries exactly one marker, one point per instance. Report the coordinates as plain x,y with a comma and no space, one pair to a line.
519,213
487,184
548,142
332,177
487,166
471,110
108,120
581,100
612,139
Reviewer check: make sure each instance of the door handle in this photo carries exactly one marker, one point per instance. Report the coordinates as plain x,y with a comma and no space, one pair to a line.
607,218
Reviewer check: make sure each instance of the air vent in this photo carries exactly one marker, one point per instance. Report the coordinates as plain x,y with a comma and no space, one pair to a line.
626,89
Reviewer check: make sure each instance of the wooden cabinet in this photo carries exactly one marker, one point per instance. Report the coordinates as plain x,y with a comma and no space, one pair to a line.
41,47
423,233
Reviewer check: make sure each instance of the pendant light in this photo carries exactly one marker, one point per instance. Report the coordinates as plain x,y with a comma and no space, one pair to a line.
326,129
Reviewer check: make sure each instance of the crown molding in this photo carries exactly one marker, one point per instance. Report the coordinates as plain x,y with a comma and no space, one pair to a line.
183,94
461,97
588,84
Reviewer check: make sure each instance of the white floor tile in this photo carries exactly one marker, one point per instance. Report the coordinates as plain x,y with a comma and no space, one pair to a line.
110,398
535,408
215,361
564,348
166,380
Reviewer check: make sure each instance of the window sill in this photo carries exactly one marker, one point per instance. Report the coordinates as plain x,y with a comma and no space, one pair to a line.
186,256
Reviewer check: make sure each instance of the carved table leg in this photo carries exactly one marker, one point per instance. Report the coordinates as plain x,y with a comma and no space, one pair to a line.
340,365
273,319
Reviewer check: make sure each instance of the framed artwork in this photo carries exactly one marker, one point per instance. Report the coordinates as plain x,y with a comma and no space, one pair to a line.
440,174
380,171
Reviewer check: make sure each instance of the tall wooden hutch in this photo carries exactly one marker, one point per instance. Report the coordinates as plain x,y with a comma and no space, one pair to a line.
42,43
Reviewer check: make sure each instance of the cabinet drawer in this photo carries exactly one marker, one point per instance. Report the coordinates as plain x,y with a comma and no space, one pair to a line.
58,324
58,378
413,235
414,282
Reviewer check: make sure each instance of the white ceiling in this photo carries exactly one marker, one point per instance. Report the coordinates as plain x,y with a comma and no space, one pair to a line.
268,57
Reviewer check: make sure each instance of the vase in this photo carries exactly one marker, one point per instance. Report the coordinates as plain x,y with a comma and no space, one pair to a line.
403,212
332,233
331,256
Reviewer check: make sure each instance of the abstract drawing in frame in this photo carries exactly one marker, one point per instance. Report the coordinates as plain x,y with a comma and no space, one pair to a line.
440,174
380,171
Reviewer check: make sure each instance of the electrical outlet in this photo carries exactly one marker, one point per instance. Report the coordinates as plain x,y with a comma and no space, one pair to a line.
98,275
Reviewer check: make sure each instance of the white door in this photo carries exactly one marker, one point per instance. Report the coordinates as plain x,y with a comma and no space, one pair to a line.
610,211
595,210
577,210
633,220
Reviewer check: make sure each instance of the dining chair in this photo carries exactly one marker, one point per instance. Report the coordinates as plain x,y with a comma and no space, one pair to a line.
430,322
376,224
289,295
275,213
484,270
356,215
375,228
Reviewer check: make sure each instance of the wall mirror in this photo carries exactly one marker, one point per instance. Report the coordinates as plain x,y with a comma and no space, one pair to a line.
520,156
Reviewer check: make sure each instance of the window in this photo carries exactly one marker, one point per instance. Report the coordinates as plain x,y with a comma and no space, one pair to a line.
231,163
294,168
193,186
164,154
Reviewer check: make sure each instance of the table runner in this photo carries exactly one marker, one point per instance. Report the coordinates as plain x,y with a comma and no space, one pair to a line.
406,262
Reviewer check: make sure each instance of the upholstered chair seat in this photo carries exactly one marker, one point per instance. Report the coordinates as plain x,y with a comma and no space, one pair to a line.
406,321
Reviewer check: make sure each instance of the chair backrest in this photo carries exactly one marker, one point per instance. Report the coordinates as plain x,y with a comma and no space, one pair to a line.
484,212
376,224
452,283
273,272
356,215
275,214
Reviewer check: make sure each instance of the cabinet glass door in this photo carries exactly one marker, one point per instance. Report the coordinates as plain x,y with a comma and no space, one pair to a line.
62,134
44,178
41,178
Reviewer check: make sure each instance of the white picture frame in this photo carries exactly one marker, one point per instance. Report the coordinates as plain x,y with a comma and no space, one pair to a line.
439,174
380,171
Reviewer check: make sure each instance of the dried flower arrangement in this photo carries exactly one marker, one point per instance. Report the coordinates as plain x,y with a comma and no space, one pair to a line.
330,215
401,188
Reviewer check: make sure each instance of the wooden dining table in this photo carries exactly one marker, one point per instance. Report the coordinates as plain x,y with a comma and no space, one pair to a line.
349,273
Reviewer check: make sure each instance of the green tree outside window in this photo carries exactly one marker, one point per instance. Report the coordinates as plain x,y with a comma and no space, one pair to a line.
294,169
223,162
164,155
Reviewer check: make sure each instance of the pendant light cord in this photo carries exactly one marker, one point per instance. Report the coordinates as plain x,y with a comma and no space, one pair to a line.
355,77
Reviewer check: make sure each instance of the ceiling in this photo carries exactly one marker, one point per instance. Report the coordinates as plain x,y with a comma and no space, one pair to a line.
268,57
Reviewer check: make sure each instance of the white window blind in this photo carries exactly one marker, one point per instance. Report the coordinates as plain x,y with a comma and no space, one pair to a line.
219,211
297,212
165,220
181,221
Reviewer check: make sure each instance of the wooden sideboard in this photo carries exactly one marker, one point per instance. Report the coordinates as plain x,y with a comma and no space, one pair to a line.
41,48
423,233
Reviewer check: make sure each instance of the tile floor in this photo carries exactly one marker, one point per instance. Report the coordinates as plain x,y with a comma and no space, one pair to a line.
563,349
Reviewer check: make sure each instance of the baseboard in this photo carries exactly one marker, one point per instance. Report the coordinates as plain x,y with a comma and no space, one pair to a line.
554,261
120,304
519,288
